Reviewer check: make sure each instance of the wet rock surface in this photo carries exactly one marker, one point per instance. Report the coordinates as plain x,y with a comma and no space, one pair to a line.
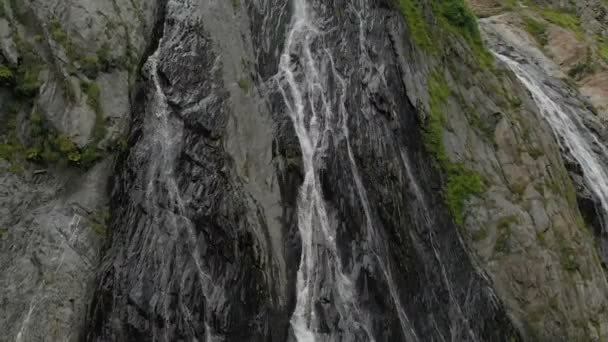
193,250
224,222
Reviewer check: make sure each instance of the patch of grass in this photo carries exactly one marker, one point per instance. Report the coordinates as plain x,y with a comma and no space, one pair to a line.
439,93
541,239
536,153
566,20
236,4
506,222
503,227
536,29
581,69
6,74
457,17
413,11
104,56
61,36
46,148
462,183
90,65
28,82
244,84
478,122
452,15
93,92
29,68
7,151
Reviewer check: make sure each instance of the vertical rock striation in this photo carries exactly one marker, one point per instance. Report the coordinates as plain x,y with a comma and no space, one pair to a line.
204,238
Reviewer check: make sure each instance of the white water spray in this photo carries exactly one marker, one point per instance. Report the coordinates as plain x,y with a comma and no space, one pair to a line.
303,90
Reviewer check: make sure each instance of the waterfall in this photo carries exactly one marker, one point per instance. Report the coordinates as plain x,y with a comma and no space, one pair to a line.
303,91
566,123
163,146
319,114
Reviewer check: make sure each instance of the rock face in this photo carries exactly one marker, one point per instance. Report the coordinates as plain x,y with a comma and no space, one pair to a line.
293,170
204,238
53,208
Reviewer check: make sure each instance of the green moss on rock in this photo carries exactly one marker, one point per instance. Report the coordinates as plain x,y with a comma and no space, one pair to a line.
413,12
462,183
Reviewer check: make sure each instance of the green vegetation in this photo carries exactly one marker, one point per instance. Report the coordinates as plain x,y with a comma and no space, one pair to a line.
11,149
566,20
28,70
462,21
510,4
93,92
46,147
462,183
603,48
419,28
28,82
506,222
89,64
61,36
503,228
536,153
453,16
581,69
458,15
461,186
542,240
536,29
6,74
244,84
236,4
104,56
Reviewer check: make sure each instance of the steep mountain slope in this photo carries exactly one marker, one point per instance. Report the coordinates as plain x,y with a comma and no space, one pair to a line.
375,259
272,170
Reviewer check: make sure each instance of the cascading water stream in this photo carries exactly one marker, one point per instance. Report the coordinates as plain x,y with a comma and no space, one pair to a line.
570,130
165,137
303,94
310,107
